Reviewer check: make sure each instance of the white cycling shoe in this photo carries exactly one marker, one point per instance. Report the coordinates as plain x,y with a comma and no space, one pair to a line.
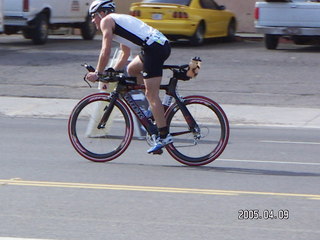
159,143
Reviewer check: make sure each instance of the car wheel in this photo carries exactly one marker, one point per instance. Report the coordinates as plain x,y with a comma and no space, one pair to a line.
231,31
41,29
271,41
198,37
88,29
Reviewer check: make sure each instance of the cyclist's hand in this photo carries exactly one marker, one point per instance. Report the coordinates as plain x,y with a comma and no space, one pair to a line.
91,76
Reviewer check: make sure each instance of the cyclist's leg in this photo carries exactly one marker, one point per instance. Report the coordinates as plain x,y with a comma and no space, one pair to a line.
134,69
152,88
153,58
152,95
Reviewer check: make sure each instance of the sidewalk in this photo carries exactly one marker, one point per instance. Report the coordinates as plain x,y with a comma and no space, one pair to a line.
237,114
251,36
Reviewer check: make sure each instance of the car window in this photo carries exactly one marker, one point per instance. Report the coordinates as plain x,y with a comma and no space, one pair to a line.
181,2
209,4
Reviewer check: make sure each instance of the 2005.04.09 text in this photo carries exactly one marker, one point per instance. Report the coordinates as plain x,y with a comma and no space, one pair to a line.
256,214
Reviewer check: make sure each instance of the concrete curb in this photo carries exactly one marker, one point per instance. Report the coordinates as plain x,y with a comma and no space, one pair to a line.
273,116
250,36
237,114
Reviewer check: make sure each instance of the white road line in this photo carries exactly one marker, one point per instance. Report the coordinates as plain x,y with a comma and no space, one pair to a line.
272,162
290,142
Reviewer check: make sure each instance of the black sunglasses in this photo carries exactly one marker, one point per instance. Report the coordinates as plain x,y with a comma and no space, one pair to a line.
93,15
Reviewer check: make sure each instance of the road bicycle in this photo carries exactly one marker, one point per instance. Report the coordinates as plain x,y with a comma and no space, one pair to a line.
101,125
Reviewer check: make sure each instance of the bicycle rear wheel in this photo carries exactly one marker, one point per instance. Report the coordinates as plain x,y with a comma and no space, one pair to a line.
203,147
105,144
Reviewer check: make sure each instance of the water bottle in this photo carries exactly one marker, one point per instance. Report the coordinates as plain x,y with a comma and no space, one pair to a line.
166,100
147,113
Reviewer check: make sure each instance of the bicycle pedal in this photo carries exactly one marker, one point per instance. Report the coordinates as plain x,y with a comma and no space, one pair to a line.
159,152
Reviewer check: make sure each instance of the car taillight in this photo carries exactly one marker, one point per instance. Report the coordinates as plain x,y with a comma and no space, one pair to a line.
180,15
135,13
256,13
26,5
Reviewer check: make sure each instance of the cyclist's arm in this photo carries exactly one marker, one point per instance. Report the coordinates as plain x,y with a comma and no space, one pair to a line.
107,25
123,59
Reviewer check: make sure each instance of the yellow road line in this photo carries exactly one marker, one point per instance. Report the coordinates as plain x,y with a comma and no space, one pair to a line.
20,182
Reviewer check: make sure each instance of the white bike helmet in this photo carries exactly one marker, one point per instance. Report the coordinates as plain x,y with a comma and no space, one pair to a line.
102,5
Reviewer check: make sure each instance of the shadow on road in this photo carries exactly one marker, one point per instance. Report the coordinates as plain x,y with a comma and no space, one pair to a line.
256,171
231,170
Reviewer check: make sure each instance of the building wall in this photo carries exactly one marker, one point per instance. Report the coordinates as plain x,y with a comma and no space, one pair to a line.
124,5
244,10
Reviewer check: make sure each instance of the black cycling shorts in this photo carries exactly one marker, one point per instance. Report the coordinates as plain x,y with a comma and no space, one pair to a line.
153,57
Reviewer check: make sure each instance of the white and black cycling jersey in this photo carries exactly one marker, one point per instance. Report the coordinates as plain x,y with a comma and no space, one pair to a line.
132,32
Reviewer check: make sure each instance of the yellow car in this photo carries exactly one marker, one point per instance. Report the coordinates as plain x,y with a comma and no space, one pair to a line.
195,20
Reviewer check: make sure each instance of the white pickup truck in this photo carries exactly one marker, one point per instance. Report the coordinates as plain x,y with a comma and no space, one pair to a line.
36,17
298,20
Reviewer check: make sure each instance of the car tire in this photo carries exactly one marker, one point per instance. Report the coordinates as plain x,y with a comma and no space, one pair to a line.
271,41
231,31
198,37
41,29
88,29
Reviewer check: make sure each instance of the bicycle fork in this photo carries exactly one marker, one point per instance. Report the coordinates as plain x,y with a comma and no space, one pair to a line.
107,111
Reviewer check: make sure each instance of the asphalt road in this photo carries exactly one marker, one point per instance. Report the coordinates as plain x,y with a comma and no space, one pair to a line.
49,192
242,72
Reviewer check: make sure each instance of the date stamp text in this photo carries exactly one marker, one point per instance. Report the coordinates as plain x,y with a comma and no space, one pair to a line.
266,214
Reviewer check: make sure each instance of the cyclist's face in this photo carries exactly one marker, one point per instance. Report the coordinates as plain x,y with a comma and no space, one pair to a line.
96,19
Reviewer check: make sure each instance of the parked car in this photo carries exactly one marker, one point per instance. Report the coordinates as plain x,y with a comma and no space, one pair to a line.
1,16
298,20
195,20
36,17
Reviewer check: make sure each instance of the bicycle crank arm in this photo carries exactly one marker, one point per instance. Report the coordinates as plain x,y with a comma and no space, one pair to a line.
180,133
196,134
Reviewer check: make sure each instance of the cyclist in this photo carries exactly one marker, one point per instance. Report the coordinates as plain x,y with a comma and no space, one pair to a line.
132,33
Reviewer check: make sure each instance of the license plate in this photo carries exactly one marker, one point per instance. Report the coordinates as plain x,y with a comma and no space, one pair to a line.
157,16
291,31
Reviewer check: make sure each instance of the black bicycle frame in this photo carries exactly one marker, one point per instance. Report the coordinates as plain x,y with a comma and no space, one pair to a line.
123,90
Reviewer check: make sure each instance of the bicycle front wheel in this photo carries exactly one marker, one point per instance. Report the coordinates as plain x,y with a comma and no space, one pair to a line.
195,147
104,144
